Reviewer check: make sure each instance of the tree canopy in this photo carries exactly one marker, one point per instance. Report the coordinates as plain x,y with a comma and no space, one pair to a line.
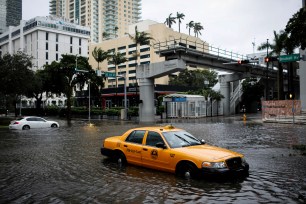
195,78
296,29
16,77
65,76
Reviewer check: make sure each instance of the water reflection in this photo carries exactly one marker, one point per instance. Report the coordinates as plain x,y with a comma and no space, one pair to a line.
65,165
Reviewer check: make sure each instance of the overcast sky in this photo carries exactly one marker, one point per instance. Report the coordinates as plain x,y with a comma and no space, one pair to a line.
229,24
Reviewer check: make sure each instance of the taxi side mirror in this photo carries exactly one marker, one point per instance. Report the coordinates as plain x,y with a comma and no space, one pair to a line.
203,141
161,145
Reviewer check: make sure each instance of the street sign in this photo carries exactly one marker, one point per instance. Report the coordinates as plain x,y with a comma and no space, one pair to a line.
289,58
110,74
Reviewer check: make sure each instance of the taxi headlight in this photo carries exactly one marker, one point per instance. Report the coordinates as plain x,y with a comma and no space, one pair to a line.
214,165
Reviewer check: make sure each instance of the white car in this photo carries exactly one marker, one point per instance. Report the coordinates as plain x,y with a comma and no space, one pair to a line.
26,123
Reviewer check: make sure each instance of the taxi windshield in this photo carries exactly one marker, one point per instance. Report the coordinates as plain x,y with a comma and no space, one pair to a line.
177,139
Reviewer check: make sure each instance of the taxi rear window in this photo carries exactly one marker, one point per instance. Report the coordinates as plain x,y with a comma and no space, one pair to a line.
136,136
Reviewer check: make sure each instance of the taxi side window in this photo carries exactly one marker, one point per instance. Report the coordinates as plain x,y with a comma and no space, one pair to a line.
136,136
153,138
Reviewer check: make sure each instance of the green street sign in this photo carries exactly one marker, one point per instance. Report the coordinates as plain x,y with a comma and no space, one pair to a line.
110,74
289,58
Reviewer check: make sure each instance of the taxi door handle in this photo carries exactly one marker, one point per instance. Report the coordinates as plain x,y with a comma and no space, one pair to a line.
145,149
125,145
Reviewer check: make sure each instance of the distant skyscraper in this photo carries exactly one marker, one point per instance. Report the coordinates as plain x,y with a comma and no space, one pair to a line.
10,13
106,18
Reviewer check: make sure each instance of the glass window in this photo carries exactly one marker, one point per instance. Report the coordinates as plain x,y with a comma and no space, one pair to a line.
132,45
178,139
153,138
136,136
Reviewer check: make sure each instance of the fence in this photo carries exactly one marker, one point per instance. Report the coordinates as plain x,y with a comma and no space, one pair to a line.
280,109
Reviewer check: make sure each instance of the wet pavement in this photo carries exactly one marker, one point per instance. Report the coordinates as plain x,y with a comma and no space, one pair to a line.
65,165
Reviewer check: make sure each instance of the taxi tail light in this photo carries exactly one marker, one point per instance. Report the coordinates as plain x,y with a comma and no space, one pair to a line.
16,123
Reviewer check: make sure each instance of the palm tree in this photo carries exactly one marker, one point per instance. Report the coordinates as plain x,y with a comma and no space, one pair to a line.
116,59
212,95
276,48
180,17
99,55
170,20
190,25
105,35
140,38
197,29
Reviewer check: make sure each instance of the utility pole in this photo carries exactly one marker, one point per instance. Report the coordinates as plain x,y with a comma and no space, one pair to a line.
267,91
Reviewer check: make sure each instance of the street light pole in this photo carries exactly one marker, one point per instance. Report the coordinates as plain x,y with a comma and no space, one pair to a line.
89,101
267,70
125,98
291,97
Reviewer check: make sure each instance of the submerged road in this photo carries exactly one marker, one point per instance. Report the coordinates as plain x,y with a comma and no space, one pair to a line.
65,165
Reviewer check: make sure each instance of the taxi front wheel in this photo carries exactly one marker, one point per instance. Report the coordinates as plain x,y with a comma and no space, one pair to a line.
187,170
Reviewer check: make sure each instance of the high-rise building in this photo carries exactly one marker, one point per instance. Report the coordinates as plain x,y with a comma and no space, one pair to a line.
45,38
10,14
106,18
159,32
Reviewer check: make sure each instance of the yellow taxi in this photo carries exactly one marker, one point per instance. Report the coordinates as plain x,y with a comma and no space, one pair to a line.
173,150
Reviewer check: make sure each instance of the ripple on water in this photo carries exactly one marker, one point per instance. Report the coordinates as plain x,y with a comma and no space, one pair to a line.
65,166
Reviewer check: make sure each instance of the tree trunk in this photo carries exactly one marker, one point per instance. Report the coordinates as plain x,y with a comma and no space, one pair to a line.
69,103
280,82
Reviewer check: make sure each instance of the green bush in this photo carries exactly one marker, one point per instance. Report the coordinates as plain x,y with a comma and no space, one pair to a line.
112,112
133,111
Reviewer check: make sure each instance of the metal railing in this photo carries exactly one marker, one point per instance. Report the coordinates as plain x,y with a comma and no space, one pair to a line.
200,46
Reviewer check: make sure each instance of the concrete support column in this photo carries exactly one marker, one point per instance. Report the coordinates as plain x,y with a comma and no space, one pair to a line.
303,79
146,107
225,91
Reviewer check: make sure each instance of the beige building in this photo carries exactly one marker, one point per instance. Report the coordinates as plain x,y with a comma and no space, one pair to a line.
146,53
106,18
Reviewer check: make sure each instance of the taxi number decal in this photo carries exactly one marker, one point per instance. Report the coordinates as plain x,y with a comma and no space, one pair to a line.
118,144
154,154
172,155
133,151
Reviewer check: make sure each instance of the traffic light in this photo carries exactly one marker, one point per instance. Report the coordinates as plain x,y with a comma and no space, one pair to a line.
243,61
271,59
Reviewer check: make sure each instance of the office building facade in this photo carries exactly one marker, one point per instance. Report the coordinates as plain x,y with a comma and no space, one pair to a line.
46,39
146,54
106,18
10,14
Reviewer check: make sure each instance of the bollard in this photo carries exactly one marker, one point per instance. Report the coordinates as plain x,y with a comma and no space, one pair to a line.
244,117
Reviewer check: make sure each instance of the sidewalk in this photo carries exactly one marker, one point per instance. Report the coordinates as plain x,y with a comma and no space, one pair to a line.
297,119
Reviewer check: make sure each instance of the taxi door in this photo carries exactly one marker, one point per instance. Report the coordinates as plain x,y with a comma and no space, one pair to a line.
132,147
154,157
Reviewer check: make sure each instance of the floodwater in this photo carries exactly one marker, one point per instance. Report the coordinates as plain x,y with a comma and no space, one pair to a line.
65,165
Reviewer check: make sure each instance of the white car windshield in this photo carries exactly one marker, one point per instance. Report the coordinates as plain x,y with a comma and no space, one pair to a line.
178,139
